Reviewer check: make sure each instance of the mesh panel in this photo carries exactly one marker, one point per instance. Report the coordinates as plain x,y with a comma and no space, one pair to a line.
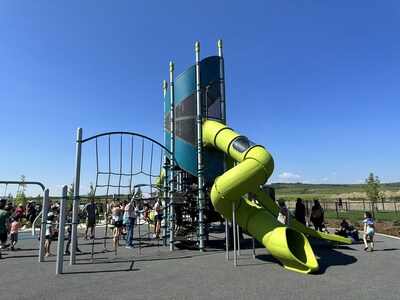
185,118
212,101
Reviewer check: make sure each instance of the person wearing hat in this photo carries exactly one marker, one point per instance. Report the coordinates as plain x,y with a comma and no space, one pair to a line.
49,233
284,214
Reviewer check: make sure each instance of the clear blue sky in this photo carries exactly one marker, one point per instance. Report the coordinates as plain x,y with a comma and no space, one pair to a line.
317,83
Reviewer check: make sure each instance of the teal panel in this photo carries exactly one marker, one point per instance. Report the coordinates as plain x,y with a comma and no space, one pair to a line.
185,84
186,154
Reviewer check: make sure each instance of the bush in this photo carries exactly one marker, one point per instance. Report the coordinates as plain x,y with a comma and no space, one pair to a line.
396,224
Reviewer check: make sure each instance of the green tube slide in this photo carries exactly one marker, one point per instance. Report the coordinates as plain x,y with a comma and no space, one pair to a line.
285,243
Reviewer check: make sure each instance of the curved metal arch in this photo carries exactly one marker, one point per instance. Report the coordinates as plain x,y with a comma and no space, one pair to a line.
129,133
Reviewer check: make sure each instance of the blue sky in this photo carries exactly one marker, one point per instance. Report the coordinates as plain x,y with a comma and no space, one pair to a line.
315,82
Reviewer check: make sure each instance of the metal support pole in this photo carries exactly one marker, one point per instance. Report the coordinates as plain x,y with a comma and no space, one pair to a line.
199,138
234,233
166,175
75,205
222,81
254,247
172,164
238,239
61,230
45,209
227,239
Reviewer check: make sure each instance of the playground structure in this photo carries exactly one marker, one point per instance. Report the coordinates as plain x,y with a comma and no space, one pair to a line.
205,169
207,163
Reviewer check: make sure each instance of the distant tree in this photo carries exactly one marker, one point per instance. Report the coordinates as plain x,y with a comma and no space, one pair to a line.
22,189
71,190
372,190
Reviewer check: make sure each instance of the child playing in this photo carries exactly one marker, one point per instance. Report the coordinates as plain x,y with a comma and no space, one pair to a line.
15,226
369,230
49,233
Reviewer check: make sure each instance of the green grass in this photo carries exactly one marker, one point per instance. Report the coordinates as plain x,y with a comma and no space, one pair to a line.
359,216
291,191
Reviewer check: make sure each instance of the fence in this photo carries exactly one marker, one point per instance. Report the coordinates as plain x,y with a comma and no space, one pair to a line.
349,205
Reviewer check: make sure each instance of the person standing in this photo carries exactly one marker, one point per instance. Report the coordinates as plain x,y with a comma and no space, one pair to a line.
340,204
15,226
4,225
116,221
317,215
158,213
369,230
284,214
300,212
20,211
129,217
49,233
90,211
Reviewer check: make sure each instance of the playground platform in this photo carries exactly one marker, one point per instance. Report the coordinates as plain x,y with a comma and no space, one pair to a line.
155,272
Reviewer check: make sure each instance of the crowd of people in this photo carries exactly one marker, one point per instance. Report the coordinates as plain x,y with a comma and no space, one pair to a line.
11,220
122,216
317,220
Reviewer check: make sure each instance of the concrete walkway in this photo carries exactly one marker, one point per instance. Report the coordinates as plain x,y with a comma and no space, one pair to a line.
157,273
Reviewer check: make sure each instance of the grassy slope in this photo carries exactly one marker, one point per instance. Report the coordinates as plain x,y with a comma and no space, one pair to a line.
325,191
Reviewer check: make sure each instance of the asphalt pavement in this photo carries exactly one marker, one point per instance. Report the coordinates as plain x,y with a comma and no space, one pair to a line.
152,271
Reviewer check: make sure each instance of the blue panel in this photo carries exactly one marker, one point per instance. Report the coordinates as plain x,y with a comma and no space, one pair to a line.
210,70
185,85
186,154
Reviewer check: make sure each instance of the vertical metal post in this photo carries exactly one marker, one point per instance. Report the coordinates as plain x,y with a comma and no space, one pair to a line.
223,120
166,175
238,240
222,81
199,138
234,233
61,230
45,209
254,247
227,239
172,163
75,205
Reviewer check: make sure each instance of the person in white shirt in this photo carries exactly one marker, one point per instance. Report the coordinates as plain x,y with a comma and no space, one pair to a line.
284,214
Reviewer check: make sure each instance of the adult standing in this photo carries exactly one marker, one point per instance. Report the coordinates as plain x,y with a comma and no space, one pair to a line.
300,212
317,215
4,225
129,217
90,211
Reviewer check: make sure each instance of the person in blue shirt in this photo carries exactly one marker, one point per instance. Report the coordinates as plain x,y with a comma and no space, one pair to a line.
369,230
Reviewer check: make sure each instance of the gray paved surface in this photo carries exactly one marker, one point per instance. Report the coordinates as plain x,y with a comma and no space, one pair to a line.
347,272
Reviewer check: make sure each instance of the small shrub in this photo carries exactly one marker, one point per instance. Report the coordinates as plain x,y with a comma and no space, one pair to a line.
396,224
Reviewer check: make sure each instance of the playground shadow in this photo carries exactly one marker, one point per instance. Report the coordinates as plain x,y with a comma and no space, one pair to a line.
331,256
386,249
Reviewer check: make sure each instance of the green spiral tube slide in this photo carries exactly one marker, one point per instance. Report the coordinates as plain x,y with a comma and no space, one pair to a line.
287,244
